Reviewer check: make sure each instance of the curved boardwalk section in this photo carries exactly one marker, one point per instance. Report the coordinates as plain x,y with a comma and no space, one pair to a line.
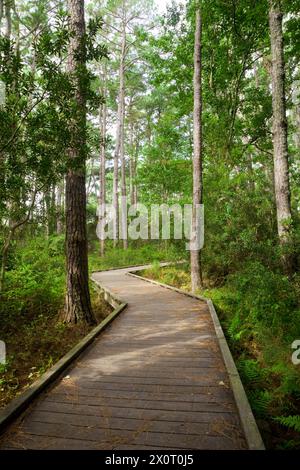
155,379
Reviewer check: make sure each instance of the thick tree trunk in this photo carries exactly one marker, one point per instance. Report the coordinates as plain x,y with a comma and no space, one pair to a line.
196,274
280,146
102,193
78,305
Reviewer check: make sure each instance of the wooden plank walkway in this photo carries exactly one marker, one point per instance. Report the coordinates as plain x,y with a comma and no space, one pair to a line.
155,379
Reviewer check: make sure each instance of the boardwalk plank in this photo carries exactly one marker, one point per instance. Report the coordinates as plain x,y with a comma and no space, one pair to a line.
213,396
136,413
142,404
108,438
200,429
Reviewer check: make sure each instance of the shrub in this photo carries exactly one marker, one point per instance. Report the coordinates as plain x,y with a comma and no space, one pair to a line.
37,281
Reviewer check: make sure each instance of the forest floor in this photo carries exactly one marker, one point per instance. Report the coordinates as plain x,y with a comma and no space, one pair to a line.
273,391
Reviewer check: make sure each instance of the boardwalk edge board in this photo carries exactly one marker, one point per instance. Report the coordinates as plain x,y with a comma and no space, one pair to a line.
250,428
22,401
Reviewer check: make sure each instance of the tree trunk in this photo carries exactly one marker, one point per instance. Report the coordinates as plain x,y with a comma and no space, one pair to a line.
48,214
280,146
53,211
196,274
134,148
135,162
1,11
102,193
8,7
122,134
4,256
116,193
296,113
119,150
60,208
78,305
123,186
131,166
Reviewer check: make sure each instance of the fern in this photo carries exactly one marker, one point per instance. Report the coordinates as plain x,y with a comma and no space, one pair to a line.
291,422
251,372
260,401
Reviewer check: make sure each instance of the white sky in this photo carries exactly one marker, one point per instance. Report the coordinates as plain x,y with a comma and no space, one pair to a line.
161,5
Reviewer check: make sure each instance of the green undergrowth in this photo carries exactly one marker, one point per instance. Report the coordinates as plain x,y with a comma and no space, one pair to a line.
259,311
30,311
135,254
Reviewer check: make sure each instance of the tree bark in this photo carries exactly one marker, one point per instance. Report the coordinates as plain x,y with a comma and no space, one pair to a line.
49,196
134,148
116,190
196,273
1,11
122,131
135,163
78,305
296,112
102,193
116,162
280,145
8,7
119,135
131,165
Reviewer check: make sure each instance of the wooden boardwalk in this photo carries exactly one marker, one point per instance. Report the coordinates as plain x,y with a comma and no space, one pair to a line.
155,379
